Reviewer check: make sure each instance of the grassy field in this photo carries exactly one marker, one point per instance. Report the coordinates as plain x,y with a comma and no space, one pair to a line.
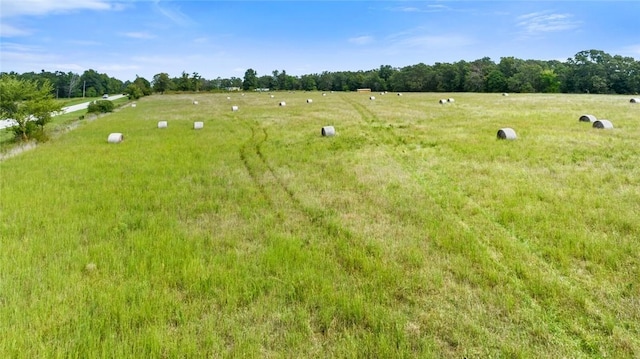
413,232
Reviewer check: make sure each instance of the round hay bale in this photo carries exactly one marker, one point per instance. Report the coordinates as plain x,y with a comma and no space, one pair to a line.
234,108
399,94
443,101
324,94
309,100
133,105
115,137
328,131
588,118
603,124
162,124
228,98
195,102
451,100
282,103
635,100
372,98
272,96
505,94
506,134
198,125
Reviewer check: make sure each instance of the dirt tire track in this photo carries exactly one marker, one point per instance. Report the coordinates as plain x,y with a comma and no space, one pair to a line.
507,241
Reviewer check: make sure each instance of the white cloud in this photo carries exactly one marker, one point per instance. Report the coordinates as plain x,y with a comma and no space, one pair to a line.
361,40
544,22
138,35
426,8
13,8
117,68
7,30
173,13
434,41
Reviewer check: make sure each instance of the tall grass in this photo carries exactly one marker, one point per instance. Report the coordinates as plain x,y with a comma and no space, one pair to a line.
413,232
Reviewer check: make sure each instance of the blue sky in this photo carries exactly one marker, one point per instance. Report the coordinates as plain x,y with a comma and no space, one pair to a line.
225,38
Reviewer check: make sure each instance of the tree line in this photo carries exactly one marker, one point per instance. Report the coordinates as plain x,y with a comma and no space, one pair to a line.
589,71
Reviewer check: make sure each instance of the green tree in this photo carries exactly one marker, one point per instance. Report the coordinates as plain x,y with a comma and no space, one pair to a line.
143,85
101,106
250,81
549,81
28,103
134,91
496,81
161,82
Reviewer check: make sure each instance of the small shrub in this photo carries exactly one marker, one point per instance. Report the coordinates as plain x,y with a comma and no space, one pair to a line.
100,106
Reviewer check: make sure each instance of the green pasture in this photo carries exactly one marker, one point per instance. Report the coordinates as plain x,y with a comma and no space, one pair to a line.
413,232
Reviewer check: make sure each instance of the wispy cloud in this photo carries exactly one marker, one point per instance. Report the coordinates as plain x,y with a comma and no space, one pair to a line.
13,8
361,40
173,13
139,35
7,30
434,41
425,8
545,22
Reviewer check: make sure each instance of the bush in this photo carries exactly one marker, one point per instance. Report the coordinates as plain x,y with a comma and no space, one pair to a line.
100,106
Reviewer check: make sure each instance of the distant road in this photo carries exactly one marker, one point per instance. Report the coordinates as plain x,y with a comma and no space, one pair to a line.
68,109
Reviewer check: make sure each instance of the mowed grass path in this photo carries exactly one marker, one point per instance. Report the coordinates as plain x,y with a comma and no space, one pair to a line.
413,232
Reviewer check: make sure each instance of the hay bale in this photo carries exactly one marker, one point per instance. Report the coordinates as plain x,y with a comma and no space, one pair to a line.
228,98
162,124
133,105
506,134
399,94
372,98
115,137
272,96
328,131
282,103
198,125
195,102
324,94
451,100
309,100
505,94
234,108
588,118
443,101
635,100
603,124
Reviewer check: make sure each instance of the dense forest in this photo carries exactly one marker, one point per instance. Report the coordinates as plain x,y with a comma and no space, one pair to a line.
589,71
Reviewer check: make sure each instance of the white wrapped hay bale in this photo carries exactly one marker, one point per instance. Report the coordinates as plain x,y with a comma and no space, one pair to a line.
635,100
195,102
506,134
505,94
603,124
328,131
450,100
443,101
588,118
234,108
133,105
228,98
162,124
309,100
372,98
198,125
399,94
115,137
282,104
